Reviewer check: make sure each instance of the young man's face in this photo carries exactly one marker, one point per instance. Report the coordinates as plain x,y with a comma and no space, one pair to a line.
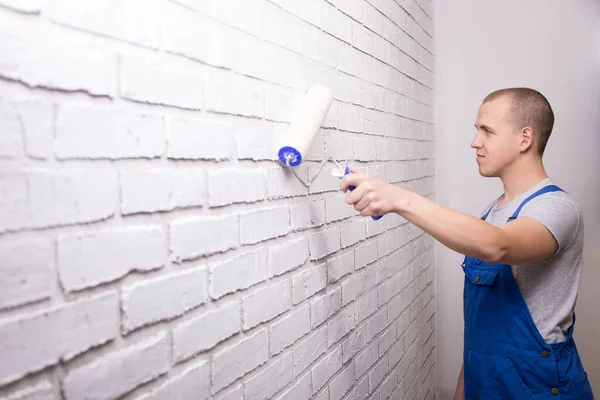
496,142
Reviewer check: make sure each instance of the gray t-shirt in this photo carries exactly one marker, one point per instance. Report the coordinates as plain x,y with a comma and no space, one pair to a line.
549,287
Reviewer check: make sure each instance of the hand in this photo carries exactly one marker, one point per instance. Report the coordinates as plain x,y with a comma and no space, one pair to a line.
371,196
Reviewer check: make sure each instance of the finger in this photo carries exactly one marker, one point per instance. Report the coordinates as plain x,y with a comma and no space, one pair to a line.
351,180
356,195
365,201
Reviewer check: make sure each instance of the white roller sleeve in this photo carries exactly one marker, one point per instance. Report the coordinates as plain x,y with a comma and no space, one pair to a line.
307,119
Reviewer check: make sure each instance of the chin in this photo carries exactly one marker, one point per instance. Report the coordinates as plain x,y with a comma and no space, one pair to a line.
487,174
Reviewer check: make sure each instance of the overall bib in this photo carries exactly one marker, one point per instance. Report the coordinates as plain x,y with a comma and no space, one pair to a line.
505,356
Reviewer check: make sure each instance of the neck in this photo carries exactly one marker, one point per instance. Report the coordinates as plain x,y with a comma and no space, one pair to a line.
521,176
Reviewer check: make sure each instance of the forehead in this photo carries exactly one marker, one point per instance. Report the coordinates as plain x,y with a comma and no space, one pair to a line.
494,111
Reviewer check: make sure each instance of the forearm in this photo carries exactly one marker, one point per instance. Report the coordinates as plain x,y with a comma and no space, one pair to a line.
460,232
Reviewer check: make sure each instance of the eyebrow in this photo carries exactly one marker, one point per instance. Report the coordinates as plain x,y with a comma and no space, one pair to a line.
485,128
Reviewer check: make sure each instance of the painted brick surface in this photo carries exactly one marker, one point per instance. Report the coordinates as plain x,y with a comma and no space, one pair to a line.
151,244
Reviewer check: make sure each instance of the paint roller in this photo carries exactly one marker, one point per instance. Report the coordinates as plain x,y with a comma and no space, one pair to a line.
305,124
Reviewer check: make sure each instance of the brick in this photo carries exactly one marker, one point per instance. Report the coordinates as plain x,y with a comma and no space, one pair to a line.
340,325
308,11
289,329
69,64
279,103
110,18
164,298
26,126
301,390
366,305
365,149
27,269
336,23
193,382
238,273
54,334
191,336
266,303
362,38
366,359
200,140
309,282
27,6
201,236
362,389
340,146
350,61
263,224
233,394
40,391
320,46
365,254
161,190
40,199
324,182
352,118
337,209
323,307
389,385
309,350
271,380
341,384
287,256
378,372
285,68
174,82
326,368
340,266
233,94
90,259
376,324
12,139
353,232
353,287
255,139
374,227
235,185
112,375
282,183
355,342
307,214
83,132
191,34
324,243
238,359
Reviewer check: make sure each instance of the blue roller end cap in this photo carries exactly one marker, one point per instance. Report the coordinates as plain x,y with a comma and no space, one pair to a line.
294,156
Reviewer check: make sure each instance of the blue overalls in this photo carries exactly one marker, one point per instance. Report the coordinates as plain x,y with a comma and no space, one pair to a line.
505,356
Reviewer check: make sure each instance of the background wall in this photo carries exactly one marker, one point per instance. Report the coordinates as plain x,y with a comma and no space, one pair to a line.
150,245
483,46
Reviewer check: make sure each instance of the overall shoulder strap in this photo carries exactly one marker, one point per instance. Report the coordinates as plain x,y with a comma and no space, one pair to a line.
545,189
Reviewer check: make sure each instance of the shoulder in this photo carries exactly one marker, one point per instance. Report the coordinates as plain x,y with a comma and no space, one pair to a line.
559,212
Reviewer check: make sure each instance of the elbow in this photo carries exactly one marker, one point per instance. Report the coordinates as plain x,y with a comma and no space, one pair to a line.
497,252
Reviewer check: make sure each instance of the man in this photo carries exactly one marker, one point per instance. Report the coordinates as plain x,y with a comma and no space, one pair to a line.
522,257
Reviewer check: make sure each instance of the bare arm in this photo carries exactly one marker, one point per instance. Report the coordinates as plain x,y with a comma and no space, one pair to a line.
521,241
459,394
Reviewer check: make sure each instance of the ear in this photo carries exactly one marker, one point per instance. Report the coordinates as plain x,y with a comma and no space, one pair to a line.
527,136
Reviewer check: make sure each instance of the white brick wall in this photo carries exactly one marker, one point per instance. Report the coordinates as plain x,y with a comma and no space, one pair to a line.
151,245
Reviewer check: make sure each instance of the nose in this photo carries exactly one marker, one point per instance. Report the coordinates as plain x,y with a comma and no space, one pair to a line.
477,143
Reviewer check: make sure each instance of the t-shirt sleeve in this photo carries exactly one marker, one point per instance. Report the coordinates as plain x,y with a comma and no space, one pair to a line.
558,213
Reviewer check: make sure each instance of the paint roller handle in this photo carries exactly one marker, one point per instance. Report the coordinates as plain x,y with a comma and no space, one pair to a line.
351,188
